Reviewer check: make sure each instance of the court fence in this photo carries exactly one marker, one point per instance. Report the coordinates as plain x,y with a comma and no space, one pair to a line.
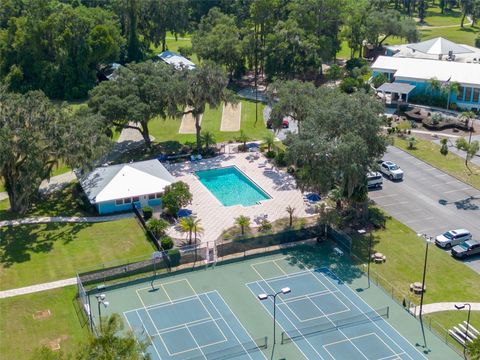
409,303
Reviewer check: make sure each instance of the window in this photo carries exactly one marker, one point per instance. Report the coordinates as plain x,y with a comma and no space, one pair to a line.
468,94
119,202
158,195
476,93
136,198
127,200
151,196
461,91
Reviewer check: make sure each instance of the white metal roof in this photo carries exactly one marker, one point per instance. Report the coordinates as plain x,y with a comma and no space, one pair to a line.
126,180
177,60
439,46
425,69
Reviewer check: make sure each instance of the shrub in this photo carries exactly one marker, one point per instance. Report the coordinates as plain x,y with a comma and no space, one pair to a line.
147,212
348,85
280,159
166,242
174,255
186,51
411,142
157,227
444,148
265,226
270,154
356,63
379,80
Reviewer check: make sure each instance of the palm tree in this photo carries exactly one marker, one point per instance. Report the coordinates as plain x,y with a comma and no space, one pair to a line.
434,85
467,116
451,87
243,222
269,140
205,85
187,225
208,139
197,229
290,210
157,227
243,138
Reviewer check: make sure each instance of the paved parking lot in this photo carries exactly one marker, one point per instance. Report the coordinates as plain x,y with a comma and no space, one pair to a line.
428,200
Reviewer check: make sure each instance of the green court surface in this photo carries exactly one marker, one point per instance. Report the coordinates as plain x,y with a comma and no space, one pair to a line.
214,313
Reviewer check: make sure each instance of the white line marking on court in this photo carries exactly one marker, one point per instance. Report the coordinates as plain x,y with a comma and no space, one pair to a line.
278,266
288,319
143,304
166,293
226,323
295,314
198,346
350,290
143,324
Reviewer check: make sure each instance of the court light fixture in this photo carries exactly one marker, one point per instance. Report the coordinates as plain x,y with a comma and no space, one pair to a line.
263,296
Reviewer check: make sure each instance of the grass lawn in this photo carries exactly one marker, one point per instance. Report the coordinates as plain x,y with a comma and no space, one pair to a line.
459,35
451,164
21,334
167,130
2,186
405,253
33,254
60,203
436,18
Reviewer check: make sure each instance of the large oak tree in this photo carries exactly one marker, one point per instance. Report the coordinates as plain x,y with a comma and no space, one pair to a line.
35,135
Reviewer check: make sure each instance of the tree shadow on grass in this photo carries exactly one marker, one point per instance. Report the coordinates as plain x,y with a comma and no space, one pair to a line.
18,243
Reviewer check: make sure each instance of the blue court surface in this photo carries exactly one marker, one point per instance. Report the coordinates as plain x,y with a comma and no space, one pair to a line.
328,320
196,327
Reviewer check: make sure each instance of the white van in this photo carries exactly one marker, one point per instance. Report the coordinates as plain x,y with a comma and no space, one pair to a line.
374,179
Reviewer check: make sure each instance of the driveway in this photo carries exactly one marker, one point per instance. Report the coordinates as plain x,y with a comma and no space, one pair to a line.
282,133
428,200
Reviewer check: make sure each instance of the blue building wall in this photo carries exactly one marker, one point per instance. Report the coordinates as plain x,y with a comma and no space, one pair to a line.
466,99
110,207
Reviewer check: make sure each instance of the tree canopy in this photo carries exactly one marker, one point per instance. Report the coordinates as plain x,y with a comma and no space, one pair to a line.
139,93
339,143
35,135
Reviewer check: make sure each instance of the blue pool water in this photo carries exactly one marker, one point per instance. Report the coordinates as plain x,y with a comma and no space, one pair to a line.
231,187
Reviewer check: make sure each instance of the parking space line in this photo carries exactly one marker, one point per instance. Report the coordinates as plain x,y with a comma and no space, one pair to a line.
417,220
463,189
395,203
383,196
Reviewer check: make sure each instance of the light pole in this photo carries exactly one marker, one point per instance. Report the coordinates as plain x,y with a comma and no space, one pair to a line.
101,300
461,307
428,241
363,232
262,297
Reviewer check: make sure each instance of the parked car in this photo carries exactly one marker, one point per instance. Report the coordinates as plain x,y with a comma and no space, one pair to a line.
285,123
391,170
452,238
374,179
465,249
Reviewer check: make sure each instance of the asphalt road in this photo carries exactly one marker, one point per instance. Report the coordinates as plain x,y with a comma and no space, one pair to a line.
429,201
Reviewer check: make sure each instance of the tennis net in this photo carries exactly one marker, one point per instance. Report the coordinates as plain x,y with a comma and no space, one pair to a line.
329,325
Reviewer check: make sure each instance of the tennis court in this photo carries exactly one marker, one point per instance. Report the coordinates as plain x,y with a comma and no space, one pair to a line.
326,319
197,326
214,314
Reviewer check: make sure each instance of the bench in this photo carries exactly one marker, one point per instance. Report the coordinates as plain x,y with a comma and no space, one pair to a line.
338,251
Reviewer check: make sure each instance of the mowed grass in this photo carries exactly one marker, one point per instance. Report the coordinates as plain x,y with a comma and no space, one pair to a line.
405,253
167,130
436,18
465,35
451,164
453,318
34,254
21,334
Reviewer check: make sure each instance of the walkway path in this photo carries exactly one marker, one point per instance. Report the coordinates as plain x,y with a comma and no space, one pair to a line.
452,148
443,306
64,219
37,288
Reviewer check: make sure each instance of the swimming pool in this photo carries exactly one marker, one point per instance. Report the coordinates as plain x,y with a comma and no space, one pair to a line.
231,186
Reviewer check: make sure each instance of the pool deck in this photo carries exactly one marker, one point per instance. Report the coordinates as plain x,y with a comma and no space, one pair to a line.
215,217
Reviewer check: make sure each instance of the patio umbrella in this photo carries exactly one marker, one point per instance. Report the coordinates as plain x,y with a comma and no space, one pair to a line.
313,197
184,213
439,46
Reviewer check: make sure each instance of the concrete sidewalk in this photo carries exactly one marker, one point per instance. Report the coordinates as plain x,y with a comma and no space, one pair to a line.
37,288
64,219
443,306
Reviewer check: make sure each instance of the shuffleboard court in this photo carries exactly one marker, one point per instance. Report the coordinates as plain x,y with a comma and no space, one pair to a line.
327,320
